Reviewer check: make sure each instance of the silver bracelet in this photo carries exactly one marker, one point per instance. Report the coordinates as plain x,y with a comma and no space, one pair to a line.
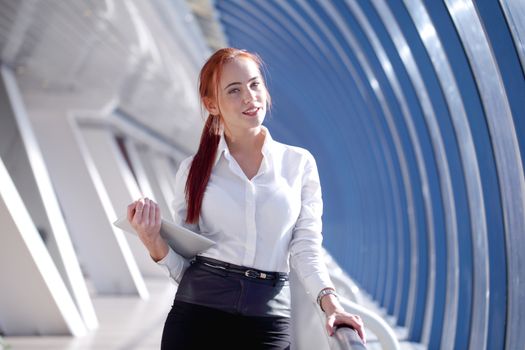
324,292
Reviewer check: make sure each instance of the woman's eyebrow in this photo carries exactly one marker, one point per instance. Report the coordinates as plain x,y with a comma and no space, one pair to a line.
236,82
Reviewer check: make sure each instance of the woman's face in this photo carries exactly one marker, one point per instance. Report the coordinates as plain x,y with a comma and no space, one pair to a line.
241,95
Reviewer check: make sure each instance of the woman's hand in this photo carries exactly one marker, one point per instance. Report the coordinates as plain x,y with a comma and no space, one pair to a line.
337,316
144,216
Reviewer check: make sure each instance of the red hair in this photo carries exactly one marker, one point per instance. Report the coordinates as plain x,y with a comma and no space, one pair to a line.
203,161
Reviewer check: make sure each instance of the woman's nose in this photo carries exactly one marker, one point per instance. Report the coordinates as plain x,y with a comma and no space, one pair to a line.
248,97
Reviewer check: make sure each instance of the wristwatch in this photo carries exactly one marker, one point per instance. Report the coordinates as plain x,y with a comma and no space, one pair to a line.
324,292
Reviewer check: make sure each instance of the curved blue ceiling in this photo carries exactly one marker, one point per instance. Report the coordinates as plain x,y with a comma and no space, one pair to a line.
412,111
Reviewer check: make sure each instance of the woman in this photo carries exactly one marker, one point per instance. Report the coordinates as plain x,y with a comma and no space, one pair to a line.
260,201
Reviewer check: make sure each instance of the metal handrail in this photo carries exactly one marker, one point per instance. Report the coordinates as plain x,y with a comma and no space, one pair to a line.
377,325
348,339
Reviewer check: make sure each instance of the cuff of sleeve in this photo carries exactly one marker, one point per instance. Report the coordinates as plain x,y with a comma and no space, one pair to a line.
175,264
315,283
164,261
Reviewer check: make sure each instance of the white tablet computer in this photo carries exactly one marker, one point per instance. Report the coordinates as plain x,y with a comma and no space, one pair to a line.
183,241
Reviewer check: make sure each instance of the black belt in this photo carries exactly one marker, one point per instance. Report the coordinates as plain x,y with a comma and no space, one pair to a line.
246,271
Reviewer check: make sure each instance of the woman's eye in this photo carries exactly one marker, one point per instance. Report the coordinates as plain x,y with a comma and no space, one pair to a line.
255,84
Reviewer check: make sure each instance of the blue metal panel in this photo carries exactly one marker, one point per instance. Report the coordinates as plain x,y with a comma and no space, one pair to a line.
512,74
507,159
434,134
402,89
415,58
439,19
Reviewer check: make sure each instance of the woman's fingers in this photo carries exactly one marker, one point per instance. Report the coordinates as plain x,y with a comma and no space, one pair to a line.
145,212
361,332
353,321
330,325
157,215
145,218
359,327
152,211
138,212
131,210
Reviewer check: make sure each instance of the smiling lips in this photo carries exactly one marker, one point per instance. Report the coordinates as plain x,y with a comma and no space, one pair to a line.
251,112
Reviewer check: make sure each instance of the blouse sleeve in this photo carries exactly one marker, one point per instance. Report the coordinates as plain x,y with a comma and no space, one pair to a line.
173,262
306,255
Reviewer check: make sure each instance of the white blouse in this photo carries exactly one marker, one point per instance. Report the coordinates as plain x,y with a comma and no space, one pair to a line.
268,222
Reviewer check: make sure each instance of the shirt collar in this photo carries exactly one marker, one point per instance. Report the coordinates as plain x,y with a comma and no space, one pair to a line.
223,146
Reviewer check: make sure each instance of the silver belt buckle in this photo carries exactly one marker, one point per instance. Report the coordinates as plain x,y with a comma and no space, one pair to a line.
252,274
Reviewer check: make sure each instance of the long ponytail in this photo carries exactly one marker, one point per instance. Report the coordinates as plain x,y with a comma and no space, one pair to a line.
201,167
